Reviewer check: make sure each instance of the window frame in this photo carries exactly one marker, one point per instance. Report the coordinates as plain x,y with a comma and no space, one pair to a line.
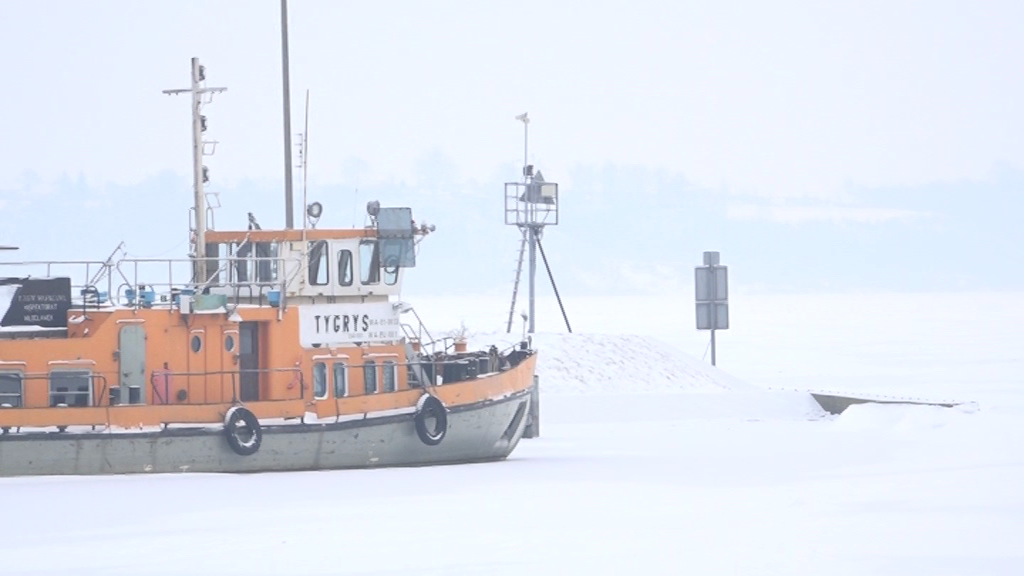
342,363
235,339
21,388
324,378
370,367
347,271
324,260
88,374
388,366
369,272
268,263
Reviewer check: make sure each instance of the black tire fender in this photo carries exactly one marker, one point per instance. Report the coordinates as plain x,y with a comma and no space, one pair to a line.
242,430
427,407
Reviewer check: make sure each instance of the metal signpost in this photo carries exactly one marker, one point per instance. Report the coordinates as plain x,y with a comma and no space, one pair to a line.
712,292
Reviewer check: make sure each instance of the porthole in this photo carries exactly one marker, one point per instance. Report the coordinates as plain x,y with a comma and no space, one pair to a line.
197,343
229,343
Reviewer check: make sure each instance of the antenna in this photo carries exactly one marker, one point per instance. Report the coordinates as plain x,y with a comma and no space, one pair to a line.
525,119
531,205
315,209
303,151
200,174
305,157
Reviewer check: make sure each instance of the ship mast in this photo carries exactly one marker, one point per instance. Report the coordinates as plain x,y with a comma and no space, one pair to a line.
199,174
286,89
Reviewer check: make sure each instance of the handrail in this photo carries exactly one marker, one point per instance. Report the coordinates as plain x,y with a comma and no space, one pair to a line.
226,267
98,394
100,390
235,384
85,273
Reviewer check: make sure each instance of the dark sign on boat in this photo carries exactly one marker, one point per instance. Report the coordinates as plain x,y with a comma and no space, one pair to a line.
35,302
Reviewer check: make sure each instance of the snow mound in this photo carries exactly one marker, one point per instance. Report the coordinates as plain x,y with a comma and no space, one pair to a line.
902,417
622,377
616,363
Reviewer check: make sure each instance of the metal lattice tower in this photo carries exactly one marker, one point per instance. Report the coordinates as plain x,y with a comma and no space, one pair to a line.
531,205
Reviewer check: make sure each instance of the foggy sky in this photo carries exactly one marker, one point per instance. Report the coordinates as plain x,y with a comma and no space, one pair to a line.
797,113
774,99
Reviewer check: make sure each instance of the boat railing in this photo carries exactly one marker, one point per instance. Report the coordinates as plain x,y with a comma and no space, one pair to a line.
165,383
442,345
91,272
428,345
81,396
70,393
445,344
90,403
130,281
423,337
81,389
267,284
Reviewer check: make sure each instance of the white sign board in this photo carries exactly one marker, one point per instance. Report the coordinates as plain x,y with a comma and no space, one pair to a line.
327,324
712,315
711,288
712,283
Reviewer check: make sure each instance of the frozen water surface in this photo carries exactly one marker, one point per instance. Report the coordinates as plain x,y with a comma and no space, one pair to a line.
650,462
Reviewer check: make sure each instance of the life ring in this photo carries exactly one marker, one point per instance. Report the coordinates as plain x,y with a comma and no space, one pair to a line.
430,409
243,431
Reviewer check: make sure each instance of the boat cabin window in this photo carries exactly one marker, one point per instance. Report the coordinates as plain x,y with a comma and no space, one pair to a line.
70,388
370,377
319,273
253,262
345,267
266,267
319,380
10,389
340,379
369,261
389,376
390,275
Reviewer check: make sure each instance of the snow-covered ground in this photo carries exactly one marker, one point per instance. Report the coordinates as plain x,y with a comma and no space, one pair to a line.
650,461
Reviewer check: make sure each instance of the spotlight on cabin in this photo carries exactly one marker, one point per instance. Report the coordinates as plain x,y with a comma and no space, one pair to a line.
373,208
313,212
